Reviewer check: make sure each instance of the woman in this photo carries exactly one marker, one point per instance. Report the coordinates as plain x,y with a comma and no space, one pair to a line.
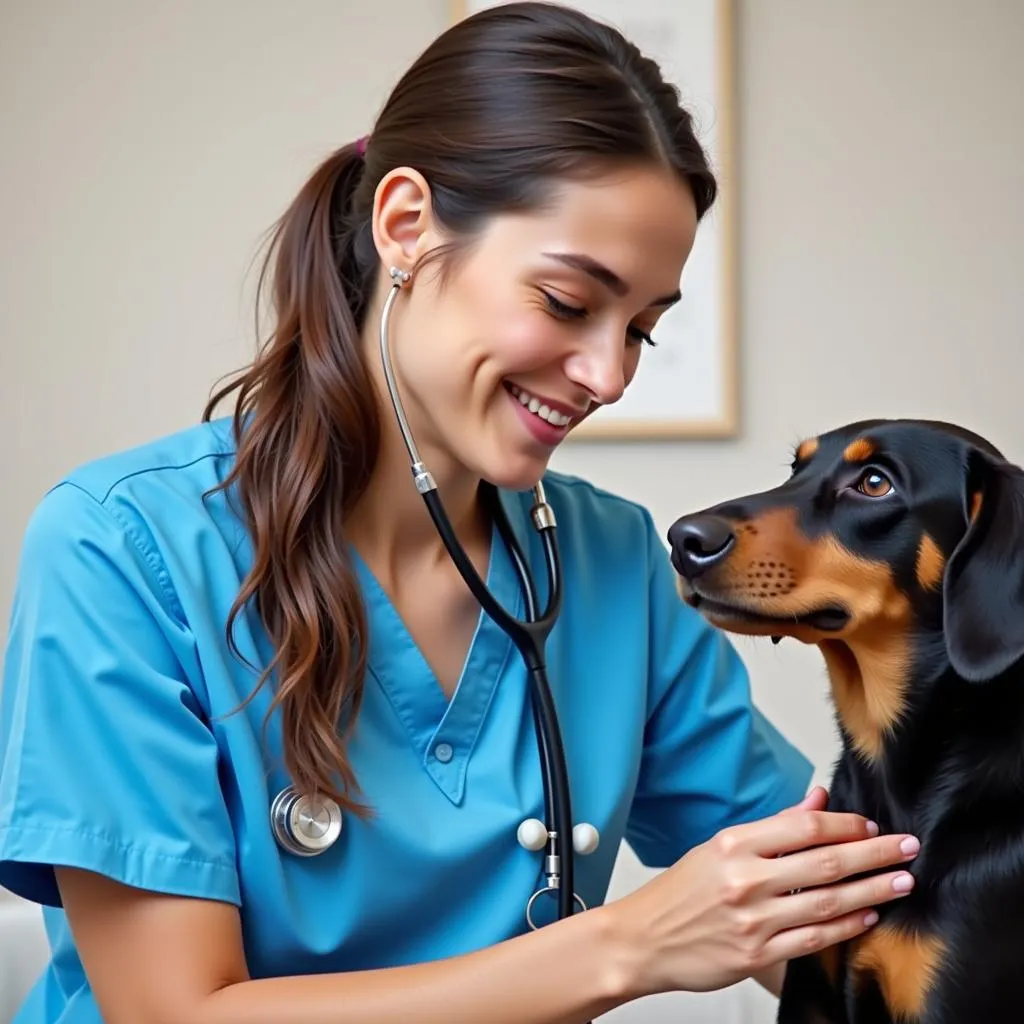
263,601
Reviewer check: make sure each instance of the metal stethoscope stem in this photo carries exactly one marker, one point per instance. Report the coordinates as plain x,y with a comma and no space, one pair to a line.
306,826
529,636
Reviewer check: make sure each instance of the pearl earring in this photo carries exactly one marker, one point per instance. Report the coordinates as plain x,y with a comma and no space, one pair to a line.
399,276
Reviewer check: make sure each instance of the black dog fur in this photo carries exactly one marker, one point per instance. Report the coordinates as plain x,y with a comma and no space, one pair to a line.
897,547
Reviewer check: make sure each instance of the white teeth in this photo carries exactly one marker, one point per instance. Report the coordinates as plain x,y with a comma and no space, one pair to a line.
538,408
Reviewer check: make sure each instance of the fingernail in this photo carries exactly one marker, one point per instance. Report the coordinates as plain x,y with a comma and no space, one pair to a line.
903,883
872,828
870,918
910,846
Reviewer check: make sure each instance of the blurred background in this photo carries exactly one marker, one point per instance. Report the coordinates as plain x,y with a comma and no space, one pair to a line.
145,147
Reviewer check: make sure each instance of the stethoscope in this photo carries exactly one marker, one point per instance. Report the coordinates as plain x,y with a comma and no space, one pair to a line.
307,826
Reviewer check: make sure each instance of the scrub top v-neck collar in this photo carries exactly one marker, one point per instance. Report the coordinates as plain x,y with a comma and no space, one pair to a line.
444,732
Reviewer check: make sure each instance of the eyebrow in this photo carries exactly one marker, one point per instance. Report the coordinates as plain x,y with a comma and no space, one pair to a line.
611,280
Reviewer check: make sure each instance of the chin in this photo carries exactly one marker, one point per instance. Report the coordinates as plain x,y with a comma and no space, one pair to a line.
517,479
515,473
810,626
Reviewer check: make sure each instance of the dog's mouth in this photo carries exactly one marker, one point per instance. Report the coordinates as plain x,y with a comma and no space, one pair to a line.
827,619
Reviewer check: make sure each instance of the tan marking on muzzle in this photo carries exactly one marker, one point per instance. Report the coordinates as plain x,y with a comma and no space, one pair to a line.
775,570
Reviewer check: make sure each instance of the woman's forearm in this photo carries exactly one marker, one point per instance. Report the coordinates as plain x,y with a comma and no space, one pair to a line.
568,972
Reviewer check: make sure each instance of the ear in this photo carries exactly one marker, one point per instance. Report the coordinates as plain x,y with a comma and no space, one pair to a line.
983,587
403,219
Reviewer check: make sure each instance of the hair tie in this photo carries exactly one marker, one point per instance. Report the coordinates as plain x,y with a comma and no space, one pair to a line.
361,146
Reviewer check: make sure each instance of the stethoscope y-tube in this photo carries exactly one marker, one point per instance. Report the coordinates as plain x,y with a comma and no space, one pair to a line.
529,635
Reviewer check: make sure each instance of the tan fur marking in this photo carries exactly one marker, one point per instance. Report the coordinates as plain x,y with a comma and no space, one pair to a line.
930,563
868,680
903,963
975,505
829,958
807,449
859,450
779,572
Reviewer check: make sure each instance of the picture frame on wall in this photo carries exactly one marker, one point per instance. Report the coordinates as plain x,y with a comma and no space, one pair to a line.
688,385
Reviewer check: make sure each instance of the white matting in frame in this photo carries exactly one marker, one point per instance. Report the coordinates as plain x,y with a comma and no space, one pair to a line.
686,387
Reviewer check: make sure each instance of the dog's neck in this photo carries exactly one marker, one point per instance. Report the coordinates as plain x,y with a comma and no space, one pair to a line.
869,676
906,716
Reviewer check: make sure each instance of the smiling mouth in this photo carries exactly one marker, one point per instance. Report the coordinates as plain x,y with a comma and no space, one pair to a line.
538,407
828,619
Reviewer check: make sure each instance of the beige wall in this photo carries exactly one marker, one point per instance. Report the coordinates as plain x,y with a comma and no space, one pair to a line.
145,147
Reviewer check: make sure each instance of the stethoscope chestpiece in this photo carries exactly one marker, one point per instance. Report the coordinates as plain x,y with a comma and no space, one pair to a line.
304,825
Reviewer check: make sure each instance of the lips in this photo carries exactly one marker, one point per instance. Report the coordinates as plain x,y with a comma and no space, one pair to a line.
545,409
827,619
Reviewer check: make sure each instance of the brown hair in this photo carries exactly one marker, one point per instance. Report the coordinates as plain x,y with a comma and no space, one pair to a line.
498,109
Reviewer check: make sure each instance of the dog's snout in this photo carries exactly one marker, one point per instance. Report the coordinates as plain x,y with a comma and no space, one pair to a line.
699,542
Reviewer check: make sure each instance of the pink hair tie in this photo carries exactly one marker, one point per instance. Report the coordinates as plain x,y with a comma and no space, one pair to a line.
361,145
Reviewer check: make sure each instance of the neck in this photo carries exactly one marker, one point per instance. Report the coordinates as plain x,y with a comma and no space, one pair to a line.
869,676
391,525
909,716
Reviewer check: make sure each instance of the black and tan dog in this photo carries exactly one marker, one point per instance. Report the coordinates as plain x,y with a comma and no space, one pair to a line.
897,547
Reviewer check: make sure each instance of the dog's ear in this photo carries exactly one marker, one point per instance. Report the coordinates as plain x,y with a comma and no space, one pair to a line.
983,587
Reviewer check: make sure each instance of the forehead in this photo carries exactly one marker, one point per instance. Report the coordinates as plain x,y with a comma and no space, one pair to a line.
639,221
907,441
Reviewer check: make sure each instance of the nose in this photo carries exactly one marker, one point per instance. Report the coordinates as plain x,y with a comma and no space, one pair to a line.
599,369
699,542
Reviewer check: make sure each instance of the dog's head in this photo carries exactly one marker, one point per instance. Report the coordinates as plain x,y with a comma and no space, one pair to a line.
886,530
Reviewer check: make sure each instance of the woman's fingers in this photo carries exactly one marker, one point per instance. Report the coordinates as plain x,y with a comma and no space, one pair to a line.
794,942
793,830
826,865
836,902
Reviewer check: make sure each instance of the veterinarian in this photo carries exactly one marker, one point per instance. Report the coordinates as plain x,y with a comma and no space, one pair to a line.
220,628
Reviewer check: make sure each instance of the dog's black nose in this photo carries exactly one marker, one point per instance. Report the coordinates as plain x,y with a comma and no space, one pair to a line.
699,543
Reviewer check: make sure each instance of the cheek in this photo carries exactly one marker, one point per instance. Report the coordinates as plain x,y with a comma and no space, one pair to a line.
524,339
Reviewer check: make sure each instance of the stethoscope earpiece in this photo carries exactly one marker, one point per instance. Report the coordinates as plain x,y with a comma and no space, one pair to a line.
306,827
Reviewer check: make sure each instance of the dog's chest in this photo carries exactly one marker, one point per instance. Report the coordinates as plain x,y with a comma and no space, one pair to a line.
904,964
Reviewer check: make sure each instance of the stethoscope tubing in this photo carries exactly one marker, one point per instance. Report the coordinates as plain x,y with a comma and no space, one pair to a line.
306,826
529,635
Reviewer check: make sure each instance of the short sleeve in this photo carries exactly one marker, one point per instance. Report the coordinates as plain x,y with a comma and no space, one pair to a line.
711,759
106,760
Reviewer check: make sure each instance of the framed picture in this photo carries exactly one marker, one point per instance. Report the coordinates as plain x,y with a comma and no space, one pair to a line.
686,387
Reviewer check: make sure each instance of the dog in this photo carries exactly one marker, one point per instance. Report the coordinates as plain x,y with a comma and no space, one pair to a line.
897,548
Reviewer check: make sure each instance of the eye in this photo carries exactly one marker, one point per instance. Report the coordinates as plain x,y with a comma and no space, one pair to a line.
563,311
637,335
874,483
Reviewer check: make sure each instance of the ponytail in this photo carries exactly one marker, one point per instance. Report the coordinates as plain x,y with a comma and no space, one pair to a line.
485,121
308,435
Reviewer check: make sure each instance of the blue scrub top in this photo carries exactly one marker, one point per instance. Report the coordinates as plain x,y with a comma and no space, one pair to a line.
120,751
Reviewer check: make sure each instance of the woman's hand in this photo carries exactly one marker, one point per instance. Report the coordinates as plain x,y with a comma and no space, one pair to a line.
760,894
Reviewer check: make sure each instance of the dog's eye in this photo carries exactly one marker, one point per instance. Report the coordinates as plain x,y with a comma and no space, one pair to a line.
874,484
